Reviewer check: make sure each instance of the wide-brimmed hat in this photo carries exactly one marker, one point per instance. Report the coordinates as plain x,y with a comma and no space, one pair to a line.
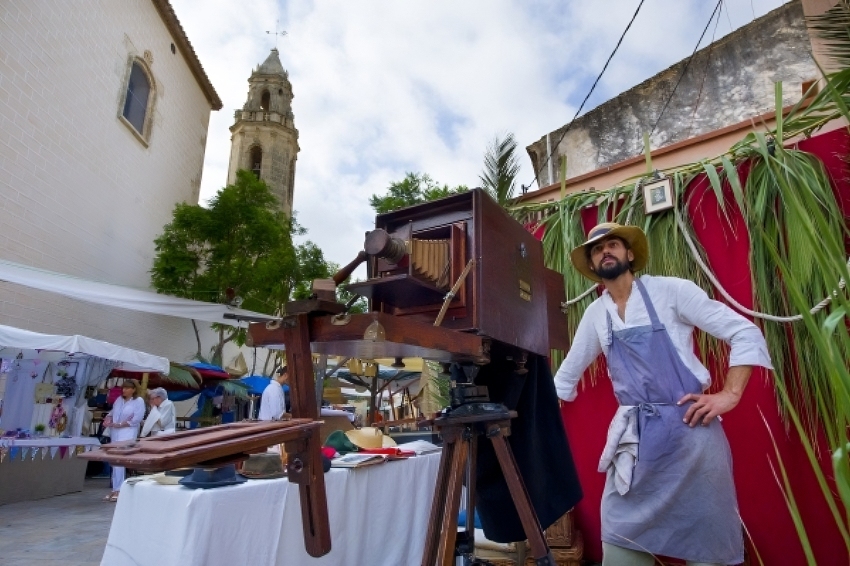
369,438
632,235
265,466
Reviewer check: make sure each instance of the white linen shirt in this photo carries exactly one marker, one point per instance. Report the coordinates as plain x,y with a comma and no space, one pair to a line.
132,412
681,305
272,403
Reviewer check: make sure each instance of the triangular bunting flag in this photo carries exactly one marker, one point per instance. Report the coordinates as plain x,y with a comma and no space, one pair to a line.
24,451
34,452
44,453
3,452
79,449
53,450
13,452
63,451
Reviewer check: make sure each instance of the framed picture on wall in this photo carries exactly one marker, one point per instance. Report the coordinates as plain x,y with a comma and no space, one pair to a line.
658,196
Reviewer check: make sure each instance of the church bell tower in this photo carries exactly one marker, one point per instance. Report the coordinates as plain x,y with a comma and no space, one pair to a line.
264,139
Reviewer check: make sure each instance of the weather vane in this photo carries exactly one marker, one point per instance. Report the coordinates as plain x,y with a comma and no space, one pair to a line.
276,33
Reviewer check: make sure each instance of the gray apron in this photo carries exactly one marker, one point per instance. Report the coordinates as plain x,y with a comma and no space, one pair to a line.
682,500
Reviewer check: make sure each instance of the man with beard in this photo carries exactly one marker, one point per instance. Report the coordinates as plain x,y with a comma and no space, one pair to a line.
669,489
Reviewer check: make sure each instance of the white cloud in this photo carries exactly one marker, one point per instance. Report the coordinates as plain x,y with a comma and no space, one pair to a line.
382,87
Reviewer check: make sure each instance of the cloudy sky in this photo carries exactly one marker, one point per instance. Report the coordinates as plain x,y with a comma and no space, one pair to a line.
385,87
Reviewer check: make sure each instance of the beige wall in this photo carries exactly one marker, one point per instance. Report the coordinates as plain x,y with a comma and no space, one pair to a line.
81,194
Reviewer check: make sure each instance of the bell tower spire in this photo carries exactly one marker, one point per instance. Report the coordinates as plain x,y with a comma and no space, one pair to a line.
264,139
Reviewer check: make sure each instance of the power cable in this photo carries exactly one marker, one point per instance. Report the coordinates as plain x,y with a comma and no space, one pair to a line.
705,72
549,156
687,64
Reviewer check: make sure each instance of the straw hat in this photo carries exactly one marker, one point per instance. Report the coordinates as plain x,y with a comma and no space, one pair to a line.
632,235
369,438
263,466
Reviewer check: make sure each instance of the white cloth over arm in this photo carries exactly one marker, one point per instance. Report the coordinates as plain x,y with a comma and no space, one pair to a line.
681,306
272,403
160,419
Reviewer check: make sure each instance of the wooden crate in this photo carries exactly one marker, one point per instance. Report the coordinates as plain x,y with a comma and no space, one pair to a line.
562,532
564,556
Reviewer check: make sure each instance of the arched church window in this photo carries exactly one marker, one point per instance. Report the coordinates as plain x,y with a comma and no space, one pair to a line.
137,104
265,100
256,160
136,101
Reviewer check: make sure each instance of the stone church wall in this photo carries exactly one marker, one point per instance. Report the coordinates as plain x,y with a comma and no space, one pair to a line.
81,194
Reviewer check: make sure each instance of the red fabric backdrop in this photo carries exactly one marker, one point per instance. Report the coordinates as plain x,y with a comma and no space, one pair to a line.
763,508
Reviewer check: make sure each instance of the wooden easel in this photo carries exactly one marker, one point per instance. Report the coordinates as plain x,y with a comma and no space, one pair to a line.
314,331
460,434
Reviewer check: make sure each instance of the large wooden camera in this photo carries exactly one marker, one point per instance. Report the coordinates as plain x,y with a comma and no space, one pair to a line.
418,254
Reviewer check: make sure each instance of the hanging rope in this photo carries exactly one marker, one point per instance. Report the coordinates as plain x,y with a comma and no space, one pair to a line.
705,269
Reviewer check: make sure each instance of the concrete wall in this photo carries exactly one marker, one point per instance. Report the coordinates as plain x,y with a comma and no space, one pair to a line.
726,83
81,193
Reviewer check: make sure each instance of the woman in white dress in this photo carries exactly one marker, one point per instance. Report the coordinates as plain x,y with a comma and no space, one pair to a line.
161,419
123,422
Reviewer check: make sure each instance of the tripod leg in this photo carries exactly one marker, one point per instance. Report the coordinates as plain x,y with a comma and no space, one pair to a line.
530,523
442,527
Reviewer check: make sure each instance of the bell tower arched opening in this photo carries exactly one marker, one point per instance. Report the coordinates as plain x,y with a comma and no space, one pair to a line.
256,160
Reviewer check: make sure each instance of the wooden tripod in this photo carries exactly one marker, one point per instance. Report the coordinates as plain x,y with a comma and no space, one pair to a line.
460,434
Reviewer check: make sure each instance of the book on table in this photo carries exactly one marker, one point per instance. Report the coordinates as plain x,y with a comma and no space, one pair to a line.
355,460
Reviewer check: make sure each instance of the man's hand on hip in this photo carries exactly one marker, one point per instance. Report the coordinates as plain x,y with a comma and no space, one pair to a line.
706,407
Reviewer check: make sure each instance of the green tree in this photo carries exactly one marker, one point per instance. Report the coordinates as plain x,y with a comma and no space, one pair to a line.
501,166
238,250
415,188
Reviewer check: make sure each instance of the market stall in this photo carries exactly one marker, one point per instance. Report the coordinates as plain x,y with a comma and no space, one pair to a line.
45,381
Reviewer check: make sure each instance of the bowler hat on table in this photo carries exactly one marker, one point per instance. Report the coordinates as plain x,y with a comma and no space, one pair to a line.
206,478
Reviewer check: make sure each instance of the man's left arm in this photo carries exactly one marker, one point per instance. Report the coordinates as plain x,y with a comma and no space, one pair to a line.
748,349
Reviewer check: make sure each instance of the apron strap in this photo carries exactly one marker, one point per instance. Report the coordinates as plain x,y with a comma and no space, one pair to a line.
650,308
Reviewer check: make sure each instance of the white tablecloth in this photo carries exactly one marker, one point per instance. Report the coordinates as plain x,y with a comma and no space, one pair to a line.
378,515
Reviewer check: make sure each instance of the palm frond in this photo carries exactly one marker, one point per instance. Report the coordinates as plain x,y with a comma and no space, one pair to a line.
501,166
180,374
832,27
233,387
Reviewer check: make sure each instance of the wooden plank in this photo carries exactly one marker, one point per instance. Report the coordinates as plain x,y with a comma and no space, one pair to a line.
299,361
203,445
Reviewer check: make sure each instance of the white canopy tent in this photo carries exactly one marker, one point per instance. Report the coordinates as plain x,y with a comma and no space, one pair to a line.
15,340
125,297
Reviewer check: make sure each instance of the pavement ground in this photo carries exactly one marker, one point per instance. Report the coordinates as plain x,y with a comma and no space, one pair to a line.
68,530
